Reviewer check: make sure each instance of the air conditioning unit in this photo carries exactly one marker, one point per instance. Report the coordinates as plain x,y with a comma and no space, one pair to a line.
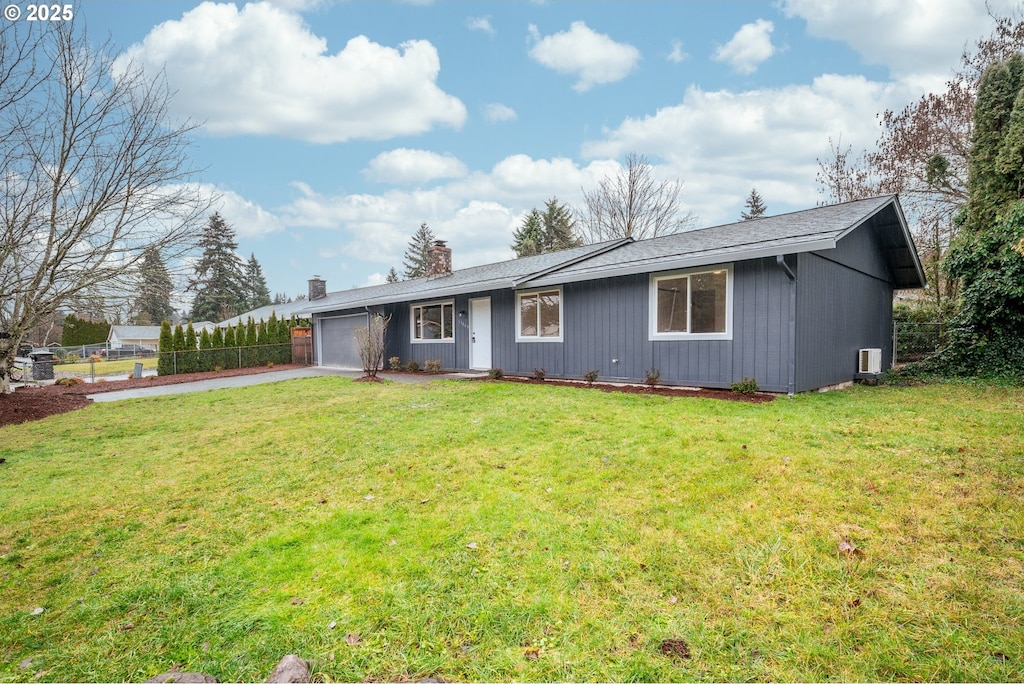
869,361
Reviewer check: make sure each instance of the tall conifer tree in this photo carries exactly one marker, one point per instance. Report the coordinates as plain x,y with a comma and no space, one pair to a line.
218,280
416,257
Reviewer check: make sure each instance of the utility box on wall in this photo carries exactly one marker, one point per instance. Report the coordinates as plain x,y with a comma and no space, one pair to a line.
869,361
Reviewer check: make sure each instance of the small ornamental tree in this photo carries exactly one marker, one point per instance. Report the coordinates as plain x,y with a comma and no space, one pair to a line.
371,343
165,360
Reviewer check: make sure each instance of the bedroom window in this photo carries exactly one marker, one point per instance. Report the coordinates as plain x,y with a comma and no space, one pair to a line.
692,305
540,316
433,322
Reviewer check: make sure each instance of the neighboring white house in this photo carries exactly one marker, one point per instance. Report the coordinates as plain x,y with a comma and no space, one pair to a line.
147,336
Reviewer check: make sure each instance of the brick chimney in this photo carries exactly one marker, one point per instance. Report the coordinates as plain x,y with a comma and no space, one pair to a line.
439,260
317,288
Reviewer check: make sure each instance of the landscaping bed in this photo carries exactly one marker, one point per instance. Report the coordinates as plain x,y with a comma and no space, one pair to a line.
34,403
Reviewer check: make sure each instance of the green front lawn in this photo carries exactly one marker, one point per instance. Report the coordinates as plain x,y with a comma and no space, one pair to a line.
498,531
106,367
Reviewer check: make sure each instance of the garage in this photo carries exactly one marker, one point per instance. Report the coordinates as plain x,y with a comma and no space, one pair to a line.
337,342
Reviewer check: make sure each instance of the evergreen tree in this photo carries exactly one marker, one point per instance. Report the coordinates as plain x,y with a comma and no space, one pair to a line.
189,360
755,207
528,239
165,361
988,253
249,353
392,276
218,281
178,346
256,290
283,298
230,348
417,258
559,227
205,351
217,343
154,301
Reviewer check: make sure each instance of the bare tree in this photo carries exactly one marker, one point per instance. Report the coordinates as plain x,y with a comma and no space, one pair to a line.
93,174
633,204
842,177
371,343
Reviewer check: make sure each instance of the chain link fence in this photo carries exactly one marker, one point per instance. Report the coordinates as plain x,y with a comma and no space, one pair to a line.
914,340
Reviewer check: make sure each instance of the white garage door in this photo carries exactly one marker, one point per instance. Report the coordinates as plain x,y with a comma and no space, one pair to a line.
338,343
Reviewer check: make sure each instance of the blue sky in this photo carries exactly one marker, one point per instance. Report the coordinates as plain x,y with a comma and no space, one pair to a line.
333,129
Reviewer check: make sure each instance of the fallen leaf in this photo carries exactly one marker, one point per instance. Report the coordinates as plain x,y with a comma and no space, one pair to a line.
25,664
205,647
181,527
126,626
368,497
323,501
332,624
423,501
392,543
330,656
849,548
673,600
532,653
296,601
38,611
352,639
471,545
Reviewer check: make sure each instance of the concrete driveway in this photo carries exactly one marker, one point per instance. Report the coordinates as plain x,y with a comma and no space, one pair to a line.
259,379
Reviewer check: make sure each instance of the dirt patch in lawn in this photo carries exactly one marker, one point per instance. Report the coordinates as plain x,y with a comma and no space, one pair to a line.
34,403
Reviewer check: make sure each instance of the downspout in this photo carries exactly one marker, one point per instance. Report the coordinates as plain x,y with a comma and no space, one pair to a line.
791,382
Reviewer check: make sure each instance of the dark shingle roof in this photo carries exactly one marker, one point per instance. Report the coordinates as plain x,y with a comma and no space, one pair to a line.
801,231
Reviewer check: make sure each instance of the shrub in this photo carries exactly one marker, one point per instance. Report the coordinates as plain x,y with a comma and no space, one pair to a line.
653,377
745,386
270,364
539,374
69,382
95,358
495,374
371,343
414,365
218,369
590,376
432,365
395,363
72,358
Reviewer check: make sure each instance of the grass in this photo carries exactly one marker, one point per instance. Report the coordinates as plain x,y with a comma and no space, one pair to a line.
106,367
493,531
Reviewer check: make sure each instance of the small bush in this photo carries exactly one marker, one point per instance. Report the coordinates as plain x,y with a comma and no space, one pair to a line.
495,374
270,364
432,365
538,374
590,376
653,377
745,386
218,369
72,358
96,358
414,366
395,363
69,382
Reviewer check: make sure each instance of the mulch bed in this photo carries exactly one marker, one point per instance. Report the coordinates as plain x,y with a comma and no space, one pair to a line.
659,390
34,403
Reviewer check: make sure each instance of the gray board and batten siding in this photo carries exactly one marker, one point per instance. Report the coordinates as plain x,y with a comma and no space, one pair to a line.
808,290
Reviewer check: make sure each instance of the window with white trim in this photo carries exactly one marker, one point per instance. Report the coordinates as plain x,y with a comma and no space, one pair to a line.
692,305
433,322
540,316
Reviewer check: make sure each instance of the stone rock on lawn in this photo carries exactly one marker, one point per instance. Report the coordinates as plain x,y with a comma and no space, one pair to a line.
181,678
291,669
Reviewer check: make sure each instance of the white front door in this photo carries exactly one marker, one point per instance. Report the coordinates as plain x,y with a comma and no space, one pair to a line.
480,333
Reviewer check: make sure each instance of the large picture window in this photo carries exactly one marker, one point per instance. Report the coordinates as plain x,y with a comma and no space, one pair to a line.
433,322
540,316
692,305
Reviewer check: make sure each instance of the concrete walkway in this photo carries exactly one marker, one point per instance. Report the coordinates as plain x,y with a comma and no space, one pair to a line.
259,379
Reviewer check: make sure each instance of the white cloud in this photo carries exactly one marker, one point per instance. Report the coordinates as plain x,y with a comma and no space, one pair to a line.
496,112
480,24
911,37
405,166
677,55
751,45
260,70
721,142
594,58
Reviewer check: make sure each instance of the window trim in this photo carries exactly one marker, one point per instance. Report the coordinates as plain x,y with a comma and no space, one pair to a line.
519,320
412,321
652,307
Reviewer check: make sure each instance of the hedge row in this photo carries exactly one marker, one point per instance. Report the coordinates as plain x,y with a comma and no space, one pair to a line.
242,346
